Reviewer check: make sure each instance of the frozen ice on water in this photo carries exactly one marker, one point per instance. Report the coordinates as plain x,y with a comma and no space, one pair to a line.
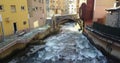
41,54
13,61
88,53
72,41
80,57
50,44
68,46
49,56
99,53
80,46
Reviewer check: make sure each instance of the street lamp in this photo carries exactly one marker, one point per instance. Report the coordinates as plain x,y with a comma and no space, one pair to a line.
2,27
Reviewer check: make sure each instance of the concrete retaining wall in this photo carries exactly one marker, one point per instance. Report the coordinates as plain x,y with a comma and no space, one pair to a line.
22,45
110,50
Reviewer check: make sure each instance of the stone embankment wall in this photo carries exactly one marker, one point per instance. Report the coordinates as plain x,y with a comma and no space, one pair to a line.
108,47
21,45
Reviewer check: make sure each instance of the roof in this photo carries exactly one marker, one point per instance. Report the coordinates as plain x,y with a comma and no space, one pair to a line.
113,9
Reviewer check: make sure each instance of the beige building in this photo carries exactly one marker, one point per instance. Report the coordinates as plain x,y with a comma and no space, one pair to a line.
57,6
99,9
37,13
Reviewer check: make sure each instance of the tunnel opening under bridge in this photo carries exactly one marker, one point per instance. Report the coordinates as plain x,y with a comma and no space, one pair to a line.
78,23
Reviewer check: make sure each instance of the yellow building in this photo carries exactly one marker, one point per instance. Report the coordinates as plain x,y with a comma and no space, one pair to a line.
14,16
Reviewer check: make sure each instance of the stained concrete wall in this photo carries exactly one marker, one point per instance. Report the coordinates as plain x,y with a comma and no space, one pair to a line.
111,19
22,45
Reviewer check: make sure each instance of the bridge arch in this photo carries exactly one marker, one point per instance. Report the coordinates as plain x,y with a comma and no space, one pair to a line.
62,21
58,20
69,18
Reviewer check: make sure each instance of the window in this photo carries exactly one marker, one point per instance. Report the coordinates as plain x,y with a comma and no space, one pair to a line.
40,8
43,10
33,9
53,1
42,1
36,8
1,7
24,23
22,8
13,8
39,1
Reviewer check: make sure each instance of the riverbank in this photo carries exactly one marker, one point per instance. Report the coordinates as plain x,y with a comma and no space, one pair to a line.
22,42
100,44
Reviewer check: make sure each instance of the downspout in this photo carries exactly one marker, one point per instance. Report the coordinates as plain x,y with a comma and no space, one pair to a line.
118,19
117,23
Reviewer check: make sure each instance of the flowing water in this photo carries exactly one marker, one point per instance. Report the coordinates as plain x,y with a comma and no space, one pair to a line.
69,46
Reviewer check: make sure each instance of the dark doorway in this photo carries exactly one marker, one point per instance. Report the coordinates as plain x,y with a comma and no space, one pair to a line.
15,27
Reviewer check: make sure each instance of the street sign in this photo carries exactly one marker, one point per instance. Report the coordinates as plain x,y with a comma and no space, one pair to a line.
0,18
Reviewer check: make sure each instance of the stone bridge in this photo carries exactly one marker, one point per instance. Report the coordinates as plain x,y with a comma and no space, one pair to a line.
57,20
65,18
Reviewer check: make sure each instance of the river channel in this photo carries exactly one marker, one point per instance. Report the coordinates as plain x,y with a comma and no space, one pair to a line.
69,46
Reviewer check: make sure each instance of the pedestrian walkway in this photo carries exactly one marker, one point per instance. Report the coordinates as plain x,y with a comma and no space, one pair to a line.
9,41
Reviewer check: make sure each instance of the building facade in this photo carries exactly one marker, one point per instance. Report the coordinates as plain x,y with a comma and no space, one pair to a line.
113,16
37,13
72,6
94,10
48,8
61,7
99,9
66,6
86,11
56,6
14,16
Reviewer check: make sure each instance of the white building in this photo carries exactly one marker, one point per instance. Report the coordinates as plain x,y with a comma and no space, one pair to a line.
72,7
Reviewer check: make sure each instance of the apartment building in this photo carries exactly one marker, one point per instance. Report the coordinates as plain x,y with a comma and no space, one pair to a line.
13,16
72,7
37,13
55,7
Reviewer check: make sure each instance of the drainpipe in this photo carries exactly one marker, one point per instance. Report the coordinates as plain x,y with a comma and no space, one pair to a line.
2,28
29,22
2,32
117,23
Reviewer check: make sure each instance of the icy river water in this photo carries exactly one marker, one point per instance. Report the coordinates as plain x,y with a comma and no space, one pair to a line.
69,46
